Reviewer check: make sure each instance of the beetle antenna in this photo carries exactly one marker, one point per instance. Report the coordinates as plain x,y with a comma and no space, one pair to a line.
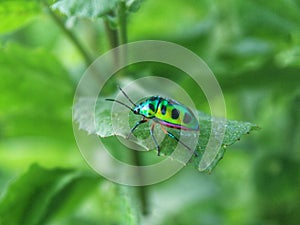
127,96
114,100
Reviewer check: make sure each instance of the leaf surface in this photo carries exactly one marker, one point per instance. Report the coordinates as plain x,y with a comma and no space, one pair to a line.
113,123
90,9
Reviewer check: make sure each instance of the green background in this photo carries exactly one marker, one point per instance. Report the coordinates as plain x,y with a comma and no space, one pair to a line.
253,48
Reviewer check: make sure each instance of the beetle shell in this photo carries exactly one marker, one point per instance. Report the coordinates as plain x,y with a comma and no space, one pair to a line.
167,112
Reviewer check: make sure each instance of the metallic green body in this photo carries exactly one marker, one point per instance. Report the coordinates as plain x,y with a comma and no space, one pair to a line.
167,112
164,111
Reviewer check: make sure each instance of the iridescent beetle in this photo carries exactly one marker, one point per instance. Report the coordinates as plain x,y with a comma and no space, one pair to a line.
166,112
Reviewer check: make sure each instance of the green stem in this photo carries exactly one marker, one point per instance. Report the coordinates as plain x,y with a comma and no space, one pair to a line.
86,56
122,17
122,30
112,33
142,191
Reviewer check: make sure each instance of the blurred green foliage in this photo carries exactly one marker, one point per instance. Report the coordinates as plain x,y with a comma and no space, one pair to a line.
251,46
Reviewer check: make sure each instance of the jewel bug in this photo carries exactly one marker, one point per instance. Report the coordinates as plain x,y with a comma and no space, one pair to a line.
164,111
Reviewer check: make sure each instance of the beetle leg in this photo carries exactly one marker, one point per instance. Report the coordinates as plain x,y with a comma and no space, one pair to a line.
174,137
154,139
143,120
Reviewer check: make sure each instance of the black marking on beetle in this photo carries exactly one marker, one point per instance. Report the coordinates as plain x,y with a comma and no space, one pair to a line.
187,118
157,105
163,109
175,114
151,106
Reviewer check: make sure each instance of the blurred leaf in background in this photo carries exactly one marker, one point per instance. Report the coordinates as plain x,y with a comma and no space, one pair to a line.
15,14
251,46
48,196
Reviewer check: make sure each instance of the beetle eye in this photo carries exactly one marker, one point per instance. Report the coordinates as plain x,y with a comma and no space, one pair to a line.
137,111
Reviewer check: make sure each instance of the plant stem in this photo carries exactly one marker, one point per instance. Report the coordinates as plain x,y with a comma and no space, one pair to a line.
142,191
112,35
86,56
122,19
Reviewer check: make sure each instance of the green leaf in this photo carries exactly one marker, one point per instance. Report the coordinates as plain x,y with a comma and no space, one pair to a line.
104,128
35,110
34,196
157,21
280,15
93,9
42,93
85,8
15,14
66,196
134,5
